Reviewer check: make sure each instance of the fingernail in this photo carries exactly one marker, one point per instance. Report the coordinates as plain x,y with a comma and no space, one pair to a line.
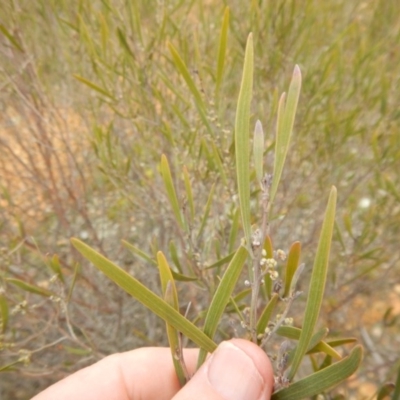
233,374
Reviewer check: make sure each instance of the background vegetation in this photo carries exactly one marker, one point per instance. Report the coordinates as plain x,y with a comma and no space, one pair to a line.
91,96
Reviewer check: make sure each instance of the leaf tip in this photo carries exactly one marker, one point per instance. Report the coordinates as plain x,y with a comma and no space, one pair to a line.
259,128
297,71
333,193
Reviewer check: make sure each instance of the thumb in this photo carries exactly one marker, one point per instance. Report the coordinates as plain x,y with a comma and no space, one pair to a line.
237,370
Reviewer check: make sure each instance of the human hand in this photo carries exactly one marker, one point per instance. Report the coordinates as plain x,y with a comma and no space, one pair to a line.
237,370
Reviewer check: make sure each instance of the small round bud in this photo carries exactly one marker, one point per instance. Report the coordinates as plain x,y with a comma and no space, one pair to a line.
274,275
288,321
281,255
271,263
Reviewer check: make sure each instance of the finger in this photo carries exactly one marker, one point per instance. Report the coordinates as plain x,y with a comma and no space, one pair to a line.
145,373
237,370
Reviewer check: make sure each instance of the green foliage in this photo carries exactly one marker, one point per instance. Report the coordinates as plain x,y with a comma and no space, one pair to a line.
317,284
168,309
285,120
322,380
222,296
157,305
242,143
171,297
4,313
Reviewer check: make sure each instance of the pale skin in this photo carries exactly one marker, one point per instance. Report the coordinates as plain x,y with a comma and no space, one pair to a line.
237,370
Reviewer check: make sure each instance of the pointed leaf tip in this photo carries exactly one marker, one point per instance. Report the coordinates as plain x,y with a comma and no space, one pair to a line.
259,129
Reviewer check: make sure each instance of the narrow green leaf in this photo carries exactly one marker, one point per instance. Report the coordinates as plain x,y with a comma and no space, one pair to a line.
233,302
173,339
11,38
242,295
242,144
72,286
85,37
30,288
9,367
145,296
317,283
124,42
4,313
316,342
314,364
222,261
170,188
233,307
76,350
183,70
266,314
286,115
385,391
95,87
269,249
189,193
174,255
325,363
322,380
339,236
222,296
54,264
278,142
183,278
171,297
218,161
165,277
324,347
223,39
290,332
206,212
396,393
291,266
135,250
258,150
341,341
317,337
348,224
